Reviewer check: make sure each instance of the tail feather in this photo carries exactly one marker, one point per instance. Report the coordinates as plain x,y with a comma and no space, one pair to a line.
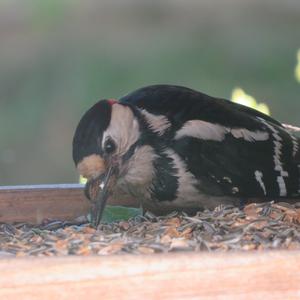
297,159
297,150
299,179
291,128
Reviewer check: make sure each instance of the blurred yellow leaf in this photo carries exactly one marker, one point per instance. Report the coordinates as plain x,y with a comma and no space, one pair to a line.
264,108
297,69
82,180
239,96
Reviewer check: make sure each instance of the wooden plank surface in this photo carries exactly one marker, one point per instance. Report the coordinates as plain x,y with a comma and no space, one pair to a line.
255,275
32,204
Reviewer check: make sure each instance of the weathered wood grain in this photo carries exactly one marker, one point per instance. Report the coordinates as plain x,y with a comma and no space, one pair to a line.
34,203
256,275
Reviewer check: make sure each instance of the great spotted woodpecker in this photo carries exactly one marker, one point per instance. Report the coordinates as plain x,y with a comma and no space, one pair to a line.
171,147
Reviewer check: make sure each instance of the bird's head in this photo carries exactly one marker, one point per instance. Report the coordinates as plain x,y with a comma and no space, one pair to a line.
117,145
109,147
104,139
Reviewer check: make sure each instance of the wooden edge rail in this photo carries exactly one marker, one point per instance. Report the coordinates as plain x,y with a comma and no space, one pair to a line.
34,203
255,275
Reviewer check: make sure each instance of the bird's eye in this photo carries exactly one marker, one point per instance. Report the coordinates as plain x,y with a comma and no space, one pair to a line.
109,146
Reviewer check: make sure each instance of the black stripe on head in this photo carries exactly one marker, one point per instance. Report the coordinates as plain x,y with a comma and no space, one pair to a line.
88,135
130,152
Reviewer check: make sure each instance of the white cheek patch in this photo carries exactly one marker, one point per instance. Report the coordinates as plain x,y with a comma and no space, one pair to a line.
215,132
157,123
123,128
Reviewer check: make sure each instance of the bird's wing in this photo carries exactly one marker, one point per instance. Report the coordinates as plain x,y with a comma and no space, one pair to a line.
230,149
242,163
181,104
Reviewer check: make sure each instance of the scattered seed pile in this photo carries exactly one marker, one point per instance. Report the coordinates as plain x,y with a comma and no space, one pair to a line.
256,227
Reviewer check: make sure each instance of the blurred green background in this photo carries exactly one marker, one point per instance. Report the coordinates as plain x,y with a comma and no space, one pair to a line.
58,57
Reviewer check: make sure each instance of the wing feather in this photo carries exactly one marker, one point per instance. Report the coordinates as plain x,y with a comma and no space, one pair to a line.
231,149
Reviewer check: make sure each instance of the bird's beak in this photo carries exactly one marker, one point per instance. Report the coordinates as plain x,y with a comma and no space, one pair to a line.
103,187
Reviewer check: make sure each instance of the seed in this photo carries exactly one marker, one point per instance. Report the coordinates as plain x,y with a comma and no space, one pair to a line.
227,228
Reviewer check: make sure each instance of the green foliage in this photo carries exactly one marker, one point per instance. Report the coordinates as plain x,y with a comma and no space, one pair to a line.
119,213
82,180
116,213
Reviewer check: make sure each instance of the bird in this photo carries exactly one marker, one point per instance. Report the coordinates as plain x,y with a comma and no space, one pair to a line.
174,148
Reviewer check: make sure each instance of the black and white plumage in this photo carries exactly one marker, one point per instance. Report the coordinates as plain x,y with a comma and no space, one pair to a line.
176,148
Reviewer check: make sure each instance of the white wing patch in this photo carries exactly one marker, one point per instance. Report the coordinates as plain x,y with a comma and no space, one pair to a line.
215,132
157,123
258,177
249,135
186,191
201,130
277,158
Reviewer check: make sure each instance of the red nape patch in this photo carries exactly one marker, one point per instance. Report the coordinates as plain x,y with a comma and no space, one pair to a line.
112,101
